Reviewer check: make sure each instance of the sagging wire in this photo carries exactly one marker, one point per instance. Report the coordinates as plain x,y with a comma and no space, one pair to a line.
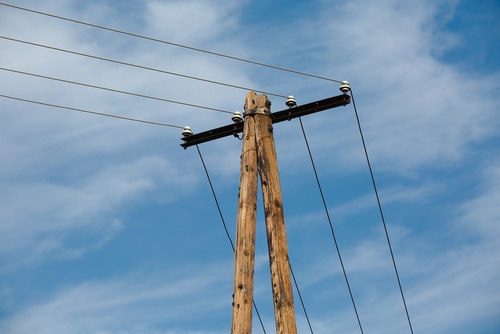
89,111
137,66
113,90
218,54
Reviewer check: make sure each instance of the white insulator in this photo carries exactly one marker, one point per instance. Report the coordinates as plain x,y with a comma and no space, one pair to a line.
345,88
237,117
187,131
290,102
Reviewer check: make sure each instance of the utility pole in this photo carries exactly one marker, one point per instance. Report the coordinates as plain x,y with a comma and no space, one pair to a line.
245,232
259,157
258,152
275,221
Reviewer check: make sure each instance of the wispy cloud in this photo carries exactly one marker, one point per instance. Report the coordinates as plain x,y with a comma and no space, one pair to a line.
417,111
449,275
67,178
128,304
58,181
39,216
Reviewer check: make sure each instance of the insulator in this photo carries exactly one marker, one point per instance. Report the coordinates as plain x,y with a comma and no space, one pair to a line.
237,117
290,102
345,88
187,131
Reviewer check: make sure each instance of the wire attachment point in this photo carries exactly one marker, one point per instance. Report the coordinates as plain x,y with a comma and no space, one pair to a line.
187,131
345,87
290,102
237,118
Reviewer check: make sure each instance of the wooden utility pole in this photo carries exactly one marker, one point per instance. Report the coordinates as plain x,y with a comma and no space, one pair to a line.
259,158
275,221
245,233
259,152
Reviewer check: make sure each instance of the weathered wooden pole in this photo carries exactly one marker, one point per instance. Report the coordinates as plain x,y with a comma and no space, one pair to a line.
245,233
259,154
275,221
259,157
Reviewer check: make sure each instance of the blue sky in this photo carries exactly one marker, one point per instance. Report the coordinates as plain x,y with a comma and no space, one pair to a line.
108,226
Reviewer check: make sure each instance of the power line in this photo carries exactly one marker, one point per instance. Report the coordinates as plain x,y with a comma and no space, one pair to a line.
331,226
90,112
381,213
113,90
215,198
300,298
218,54
140,66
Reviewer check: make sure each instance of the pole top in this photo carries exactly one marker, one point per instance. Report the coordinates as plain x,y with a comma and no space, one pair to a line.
257,104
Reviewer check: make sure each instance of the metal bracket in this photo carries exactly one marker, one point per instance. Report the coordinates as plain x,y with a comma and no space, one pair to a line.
262,111
279,116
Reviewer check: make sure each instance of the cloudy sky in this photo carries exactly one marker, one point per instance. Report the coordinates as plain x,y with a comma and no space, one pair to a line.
108,226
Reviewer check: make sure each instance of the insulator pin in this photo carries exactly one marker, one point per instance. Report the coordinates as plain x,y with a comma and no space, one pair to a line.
290,102
187,131
237,117
345,88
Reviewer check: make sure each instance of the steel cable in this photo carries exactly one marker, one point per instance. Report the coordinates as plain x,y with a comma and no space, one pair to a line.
218,54
114,90
138,66
331,226
90,112
381,213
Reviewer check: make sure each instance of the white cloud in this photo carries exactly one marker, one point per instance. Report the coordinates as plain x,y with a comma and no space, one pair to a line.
191,21
43,214
449,275
481,215
68,174
131,304
416,110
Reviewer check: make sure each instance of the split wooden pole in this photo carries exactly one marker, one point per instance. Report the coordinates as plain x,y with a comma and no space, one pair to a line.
258,131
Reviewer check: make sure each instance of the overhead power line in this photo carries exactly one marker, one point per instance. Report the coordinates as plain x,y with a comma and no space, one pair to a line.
381,213
218,54
90,112
140,66
301,299
325,206
113,90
